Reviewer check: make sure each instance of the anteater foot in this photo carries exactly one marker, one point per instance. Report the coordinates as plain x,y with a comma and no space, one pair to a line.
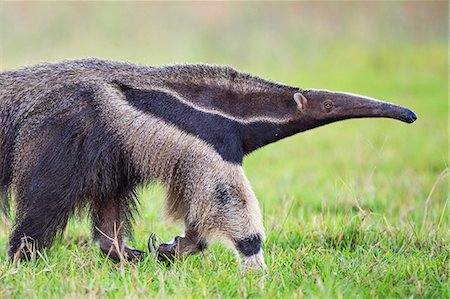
165,252
24,250
128,254
132,254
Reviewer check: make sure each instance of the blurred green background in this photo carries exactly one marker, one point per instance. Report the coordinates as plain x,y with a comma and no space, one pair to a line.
315,183
395,51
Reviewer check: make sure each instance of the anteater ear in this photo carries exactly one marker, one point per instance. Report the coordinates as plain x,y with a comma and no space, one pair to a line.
300,100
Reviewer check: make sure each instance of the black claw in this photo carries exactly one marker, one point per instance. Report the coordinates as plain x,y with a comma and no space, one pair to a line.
139,254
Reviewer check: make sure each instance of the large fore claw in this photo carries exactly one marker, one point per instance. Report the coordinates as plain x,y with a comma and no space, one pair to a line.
152,244
164,252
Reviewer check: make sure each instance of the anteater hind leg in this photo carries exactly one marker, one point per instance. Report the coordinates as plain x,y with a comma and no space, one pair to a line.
108,227
37,227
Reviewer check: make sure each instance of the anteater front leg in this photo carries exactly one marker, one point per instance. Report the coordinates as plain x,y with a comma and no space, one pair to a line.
225,210
108,228
239,221
190,244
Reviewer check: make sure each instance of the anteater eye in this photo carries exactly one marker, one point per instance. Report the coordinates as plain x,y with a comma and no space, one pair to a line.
328,105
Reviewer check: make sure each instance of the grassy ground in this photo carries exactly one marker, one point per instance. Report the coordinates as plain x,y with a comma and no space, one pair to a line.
355,209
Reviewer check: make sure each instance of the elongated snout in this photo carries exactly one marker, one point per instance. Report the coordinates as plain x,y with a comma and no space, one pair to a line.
333,106
397,112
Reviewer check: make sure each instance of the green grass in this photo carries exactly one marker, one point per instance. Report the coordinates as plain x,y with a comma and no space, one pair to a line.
353,209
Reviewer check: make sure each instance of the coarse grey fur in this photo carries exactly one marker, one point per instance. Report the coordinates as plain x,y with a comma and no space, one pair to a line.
84,134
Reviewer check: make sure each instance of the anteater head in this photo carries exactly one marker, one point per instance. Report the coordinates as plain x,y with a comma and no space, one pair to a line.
274,111
318,107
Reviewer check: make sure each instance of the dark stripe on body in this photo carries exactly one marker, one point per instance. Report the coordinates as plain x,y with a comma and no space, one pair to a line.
220,132
230,139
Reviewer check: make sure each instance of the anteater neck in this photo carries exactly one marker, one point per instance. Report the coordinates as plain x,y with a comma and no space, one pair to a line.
258,134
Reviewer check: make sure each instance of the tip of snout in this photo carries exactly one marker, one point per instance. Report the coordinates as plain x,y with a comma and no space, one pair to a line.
409,117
